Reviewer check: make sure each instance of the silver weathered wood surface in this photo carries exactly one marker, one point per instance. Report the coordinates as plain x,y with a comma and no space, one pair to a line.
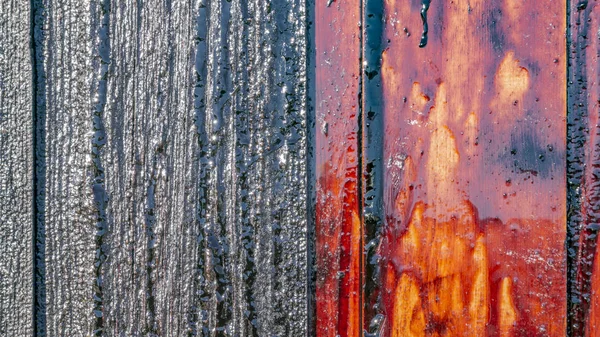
171,176
16,165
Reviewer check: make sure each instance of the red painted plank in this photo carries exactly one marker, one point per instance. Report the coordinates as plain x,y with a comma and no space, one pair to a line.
338,230
474,142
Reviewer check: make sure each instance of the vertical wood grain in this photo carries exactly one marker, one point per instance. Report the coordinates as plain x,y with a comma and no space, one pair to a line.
69,219
582,169
337,147
161,170
474,153
16,170
174,169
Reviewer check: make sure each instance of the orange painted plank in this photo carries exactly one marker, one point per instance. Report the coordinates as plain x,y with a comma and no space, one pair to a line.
338,229
474,152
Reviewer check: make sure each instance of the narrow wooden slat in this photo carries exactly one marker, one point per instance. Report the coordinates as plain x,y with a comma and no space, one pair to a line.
337,147
372,155
145,163
65,197
474,169
582,169
16,169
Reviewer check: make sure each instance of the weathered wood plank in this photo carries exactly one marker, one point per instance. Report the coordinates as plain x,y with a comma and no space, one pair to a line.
337,147
16,170
582,169
474,169
67,218
175,154
138,176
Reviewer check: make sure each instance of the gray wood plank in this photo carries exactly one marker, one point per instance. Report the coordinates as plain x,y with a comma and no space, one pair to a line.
253,104
175,168
66,197
16,164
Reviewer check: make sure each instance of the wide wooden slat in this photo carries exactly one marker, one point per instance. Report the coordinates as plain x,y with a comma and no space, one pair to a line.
16,170
337,147
174,168
141,162
463,171
474,169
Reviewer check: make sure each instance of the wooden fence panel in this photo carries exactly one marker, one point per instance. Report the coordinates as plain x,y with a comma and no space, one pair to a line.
155,168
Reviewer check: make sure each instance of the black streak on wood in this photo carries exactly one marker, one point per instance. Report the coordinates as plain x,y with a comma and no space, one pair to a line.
101,64
37,13
371,145
581,192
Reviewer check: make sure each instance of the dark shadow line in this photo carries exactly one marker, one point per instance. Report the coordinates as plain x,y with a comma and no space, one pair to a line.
39,168
581,239
311,326
198,325
371,155
151,326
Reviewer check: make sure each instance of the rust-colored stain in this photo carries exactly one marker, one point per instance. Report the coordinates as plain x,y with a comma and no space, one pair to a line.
338,230
474,146
475,182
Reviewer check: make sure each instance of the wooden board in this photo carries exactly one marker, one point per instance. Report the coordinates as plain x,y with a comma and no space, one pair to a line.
463,152
16,170
474,170
172,168
154,176
67,219
337,175
582,170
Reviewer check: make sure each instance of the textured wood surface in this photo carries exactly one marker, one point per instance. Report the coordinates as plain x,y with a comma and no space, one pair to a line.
155,168
582,169
463,168
337,175
16,170
474,153
170,169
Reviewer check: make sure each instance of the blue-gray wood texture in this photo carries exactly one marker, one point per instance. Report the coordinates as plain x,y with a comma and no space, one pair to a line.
167,189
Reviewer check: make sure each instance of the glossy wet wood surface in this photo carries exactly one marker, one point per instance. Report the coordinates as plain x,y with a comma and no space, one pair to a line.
337,169
464,167
474,153
156,168
153,168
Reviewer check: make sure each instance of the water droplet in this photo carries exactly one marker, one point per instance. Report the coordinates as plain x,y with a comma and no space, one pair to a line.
424,8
